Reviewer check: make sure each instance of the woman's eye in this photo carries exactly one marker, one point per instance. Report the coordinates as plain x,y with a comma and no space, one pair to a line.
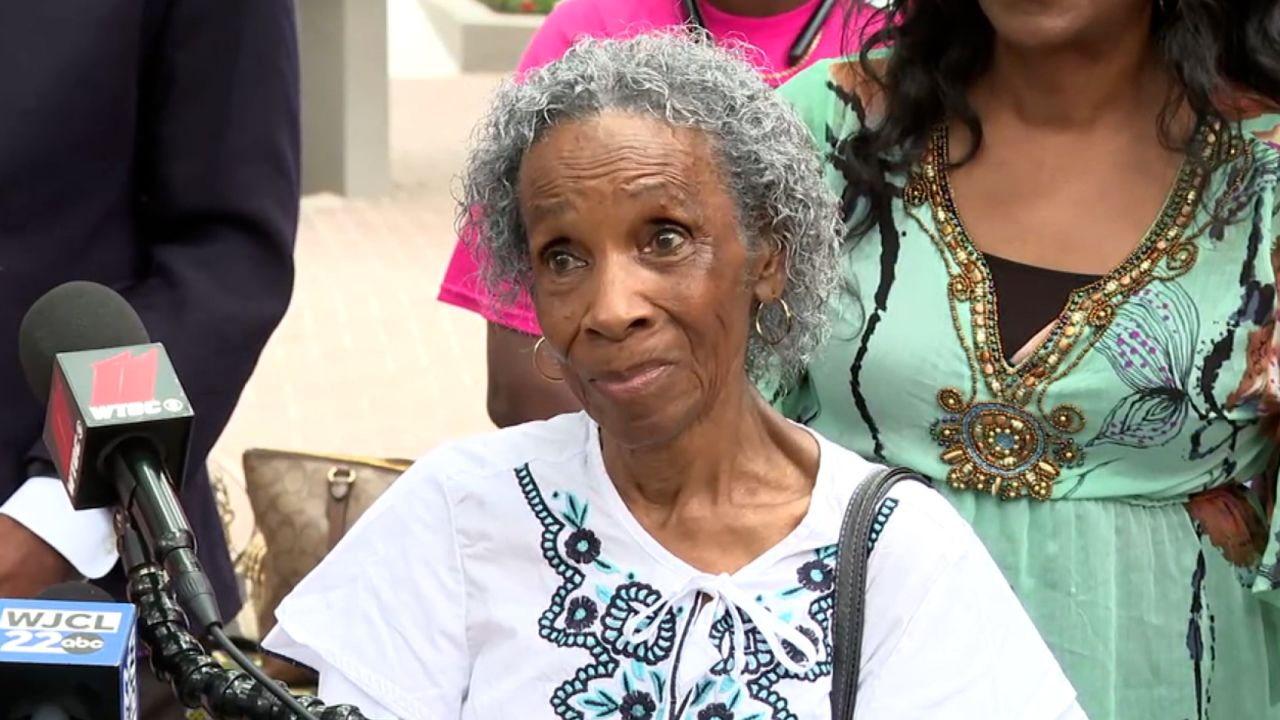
667,241
561,261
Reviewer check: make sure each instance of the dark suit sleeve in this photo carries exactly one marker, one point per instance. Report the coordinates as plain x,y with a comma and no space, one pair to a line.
221,189
219,186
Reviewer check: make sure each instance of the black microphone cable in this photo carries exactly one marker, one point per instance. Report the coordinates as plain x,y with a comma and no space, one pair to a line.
198,679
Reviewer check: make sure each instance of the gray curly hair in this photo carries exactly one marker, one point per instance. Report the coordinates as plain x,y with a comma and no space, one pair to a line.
767,157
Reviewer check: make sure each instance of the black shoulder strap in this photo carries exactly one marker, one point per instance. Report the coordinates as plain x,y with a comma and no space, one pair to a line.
851,585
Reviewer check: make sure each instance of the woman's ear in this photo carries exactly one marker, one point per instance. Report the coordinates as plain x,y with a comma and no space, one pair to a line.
771,273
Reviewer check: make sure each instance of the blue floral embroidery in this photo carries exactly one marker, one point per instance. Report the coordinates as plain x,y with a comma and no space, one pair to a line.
882,518
638,705
756,652
604,664
582,546
817,576
629,680
762,688
716,711
581,615
628,601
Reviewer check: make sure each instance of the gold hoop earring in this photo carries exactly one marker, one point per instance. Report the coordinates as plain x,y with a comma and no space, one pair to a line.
786,313
536,366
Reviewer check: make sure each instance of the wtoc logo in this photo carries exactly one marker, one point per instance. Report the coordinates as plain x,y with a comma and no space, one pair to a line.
124,386
75,632
120,411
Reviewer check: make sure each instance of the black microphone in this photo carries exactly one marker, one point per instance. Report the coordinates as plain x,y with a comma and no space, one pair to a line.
69,654
118,427
118,422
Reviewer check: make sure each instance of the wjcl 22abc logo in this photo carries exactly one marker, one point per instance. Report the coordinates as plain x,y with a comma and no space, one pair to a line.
55,632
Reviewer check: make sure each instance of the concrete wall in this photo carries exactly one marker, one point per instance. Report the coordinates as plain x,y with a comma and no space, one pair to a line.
479,39
345,146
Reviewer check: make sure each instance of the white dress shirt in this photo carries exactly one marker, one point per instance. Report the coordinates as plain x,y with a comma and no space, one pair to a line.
86,538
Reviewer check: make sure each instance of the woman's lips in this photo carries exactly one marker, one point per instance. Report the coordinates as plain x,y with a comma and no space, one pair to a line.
634,380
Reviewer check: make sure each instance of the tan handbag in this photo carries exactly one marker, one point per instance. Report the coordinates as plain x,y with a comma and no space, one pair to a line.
244,543
304,503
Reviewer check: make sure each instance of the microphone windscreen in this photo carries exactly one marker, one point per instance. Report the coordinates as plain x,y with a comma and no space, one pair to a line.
76,591
74,316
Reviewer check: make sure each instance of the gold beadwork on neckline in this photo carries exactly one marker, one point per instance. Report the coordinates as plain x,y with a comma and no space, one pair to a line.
1011,445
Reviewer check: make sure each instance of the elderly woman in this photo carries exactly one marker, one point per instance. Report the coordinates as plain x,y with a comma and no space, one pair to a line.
668,553
786,36
1062,306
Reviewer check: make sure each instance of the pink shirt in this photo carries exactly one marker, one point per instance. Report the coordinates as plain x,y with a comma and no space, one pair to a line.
574,19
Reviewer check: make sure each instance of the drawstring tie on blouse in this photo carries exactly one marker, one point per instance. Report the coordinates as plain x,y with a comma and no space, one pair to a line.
723,594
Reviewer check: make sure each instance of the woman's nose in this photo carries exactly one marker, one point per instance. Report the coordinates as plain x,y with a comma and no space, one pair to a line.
620,305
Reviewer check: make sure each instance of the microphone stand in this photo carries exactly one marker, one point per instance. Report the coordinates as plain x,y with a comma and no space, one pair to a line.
176,655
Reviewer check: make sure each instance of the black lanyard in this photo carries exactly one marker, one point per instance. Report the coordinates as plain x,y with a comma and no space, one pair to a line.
803,40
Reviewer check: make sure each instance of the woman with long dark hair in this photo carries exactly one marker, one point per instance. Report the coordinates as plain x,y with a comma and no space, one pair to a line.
1060,303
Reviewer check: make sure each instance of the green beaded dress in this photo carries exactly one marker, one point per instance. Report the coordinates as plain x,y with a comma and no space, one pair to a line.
1122,473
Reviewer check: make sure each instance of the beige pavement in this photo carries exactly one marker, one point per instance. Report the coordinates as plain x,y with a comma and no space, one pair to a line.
366,360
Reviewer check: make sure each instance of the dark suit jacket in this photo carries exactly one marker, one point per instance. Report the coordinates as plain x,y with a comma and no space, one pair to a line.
152,146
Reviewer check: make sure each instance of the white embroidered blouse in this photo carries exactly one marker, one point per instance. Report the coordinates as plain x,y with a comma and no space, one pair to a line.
503,577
